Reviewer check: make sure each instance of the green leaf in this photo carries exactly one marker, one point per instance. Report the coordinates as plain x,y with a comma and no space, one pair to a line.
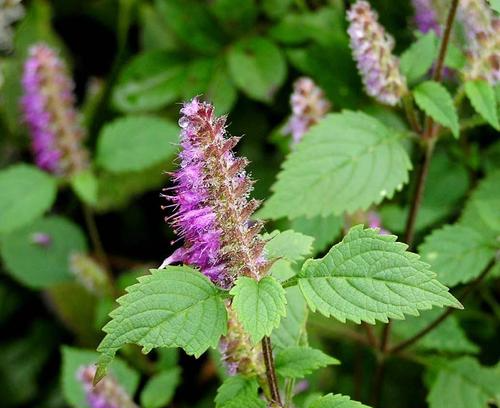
347,162
435,100
418,58
26,194
160,389
482,97
369,277
297,362
85,185
42,265
73,359
323,229
495,5
463,383
259,305
292,329
448,337
336,401
288,244
136,143
172,307
257,66
457,253
235,19
237,392
149,81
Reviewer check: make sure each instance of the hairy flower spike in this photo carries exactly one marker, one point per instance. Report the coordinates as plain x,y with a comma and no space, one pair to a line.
48,105
106,394
372,50
211,201
90,274
426,17
482,29
309,106
10,12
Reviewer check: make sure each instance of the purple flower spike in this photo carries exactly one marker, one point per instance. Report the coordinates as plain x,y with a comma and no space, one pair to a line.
210,198
482,29
106,394
426,17
48,106
309,106
372,50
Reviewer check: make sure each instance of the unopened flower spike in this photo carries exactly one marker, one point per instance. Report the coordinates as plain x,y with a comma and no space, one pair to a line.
482,30
10,12
372,49
309,106
106,394
90,274
211,203
48,106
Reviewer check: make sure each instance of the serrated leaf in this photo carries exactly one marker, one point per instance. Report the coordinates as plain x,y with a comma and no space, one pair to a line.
172,307
39,264
297,362
323,229
336,401
238,392
369,277
418,58
447,337
149,81
463,383
482,97
259,305
160,388
288,244
257,66
26,194
435,100
347,162
73,359
135,143
457,253
292,329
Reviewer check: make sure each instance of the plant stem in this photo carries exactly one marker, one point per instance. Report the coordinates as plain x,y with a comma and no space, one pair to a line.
95,237
411,114
272,380
412,340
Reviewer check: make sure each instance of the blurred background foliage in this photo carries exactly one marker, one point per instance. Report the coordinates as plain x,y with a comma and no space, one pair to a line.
133,62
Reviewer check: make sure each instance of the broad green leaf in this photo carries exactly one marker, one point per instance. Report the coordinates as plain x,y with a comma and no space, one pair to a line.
418,58
448,337
160,389
435,100
297,362
237,392
323,229
369,277
136,143
495,5
259,305
40,265
149,81
257,66
235,19
336,401
155,34
482,97
26,194
457,253
73,359
172,307
288,244
85,185
347,162
464,383
292,329
276,8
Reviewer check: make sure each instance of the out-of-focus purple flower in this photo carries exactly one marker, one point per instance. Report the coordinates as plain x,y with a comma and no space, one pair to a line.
210,198
89,273
238,354
426,18
482,30
106,394
48,106
309,106
372,50
374,221
41,239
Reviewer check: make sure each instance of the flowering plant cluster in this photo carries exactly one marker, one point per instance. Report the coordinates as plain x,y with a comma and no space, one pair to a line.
341,252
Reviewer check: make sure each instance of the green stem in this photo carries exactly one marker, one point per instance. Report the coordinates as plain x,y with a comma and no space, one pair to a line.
96,238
